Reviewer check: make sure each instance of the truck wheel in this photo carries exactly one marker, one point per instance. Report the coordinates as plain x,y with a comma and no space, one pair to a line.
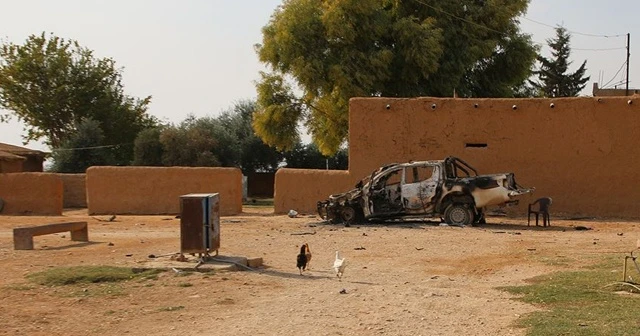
348,214
458,214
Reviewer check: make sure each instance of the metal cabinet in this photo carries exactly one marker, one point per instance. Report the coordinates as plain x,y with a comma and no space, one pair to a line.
200,223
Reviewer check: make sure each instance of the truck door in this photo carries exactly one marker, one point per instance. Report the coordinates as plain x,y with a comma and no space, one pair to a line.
419,188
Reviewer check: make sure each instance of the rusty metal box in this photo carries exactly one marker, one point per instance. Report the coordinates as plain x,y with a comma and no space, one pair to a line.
199,223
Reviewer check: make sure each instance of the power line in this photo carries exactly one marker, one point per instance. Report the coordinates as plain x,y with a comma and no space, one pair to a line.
526,18
84,148
459,18
584,49
614,76
599,49
572,31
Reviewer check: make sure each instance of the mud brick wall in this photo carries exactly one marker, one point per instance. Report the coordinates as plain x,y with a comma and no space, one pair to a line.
300,189
10,166
75,191
31,194
582,152
157,190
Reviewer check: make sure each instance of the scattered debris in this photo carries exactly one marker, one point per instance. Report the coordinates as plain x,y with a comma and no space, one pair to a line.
129,255
582,228
359,248
110,219
292,213
531,249
620,233
200,262
110,244
580,218
364,233
343,291
302,233
419,248
311,225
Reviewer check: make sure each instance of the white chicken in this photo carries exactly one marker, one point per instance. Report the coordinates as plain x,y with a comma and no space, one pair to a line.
339,265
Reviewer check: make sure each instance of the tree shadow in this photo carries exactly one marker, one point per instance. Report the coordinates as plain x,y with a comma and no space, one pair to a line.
290,275
81,244
501,226
407,224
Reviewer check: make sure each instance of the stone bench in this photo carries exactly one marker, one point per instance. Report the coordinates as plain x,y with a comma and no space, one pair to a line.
23,236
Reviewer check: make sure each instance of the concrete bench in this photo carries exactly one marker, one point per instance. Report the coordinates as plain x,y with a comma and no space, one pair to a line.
23,236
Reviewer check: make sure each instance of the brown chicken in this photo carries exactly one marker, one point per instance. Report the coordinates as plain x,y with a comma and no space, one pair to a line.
301,260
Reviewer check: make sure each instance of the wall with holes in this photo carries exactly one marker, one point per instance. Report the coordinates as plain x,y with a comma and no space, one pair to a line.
579,151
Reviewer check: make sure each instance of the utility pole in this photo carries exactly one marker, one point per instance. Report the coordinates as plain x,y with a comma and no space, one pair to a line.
628,55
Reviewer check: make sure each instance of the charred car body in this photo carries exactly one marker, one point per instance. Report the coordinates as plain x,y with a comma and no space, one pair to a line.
449,189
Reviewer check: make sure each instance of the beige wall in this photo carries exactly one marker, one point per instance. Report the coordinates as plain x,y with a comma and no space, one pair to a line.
31,194
300,189
157,190
582,152
75,191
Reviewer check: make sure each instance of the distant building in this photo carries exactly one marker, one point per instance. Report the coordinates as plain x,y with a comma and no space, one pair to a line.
16,159
597,92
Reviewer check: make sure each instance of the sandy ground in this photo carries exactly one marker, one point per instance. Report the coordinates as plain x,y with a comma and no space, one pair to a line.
401,279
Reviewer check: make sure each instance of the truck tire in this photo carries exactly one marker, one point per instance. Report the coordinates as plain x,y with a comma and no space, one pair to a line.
351,214
458,214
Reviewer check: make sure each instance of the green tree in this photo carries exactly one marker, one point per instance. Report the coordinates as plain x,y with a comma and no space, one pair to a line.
147,148
83,149
188,145
334,50
553,75
309,156
255,155
52,84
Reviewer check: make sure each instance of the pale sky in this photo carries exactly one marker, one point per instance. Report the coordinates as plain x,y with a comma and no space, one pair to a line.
197,56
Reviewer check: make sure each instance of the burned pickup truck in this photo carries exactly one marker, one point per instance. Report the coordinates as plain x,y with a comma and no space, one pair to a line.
448,189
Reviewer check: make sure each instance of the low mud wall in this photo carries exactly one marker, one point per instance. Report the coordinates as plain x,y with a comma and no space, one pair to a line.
157,190
301,189
75,190
31,194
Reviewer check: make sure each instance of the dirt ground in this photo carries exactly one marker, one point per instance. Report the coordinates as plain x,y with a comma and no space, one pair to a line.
401,279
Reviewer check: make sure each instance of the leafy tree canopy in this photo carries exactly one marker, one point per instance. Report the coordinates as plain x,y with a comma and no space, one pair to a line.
227,140
309,157
83,149
322,53
53,84
553,75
